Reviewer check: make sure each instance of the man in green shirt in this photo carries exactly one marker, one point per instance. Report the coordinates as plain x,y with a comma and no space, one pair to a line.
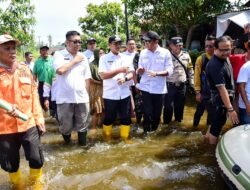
43,66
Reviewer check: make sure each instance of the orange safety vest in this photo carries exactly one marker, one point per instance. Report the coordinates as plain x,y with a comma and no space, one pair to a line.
19,88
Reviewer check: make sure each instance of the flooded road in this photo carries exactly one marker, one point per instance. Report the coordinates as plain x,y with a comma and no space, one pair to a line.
175,157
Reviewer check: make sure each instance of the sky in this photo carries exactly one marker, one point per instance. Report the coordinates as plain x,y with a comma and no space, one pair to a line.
56,17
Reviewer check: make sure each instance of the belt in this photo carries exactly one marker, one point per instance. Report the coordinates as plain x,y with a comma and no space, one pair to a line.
175,83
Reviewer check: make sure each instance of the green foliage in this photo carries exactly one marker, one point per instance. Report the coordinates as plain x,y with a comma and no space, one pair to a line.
17,19
175,17
194,54
101,19
100,23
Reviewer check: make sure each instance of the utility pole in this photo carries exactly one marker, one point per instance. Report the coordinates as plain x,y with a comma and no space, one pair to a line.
39,42
126,20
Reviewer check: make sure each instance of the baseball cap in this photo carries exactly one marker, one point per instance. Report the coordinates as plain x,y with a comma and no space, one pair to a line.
114,39
151,35
91,40
44,47
8,38
176,41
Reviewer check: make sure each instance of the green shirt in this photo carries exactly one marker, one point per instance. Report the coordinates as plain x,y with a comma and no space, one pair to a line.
50,77
42,67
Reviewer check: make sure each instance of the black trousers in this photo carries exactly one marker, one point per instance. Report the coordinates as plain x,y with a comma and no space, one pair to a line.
219,120
174,102
205,104
40,93
122,108
152,107
10,145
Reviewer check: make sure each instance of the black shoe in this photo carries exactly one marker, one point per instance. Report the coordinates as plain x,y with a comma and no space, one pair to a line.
67,138
82,138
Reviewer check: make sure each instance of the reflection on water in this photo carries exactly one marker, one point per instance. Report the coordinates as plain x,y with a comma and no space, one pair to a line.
173,158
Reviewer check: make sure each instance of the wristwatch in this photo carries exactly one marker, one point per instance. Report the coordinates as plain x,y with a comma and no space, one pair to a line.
126,78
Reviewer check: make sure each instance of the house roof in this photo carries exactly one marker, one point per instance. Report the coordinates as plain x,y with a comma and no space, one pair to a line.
247,4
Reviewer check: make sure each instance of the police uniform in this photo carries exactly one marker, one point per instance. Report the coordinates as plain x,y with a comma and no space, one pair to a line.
176,84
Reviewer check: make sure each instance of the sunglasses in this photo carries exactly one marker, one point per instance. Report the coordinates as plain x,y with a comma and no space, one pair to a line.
209,46
76,41
224,50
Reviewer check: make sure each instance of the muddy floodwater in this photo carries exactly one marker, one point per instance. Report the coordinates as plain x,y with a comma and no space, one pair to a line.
175,157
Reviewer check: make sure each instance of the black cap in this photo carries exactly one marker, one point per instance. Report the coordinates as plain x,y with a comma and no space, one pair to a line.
114,39
91,40
176,41
44,47
151,35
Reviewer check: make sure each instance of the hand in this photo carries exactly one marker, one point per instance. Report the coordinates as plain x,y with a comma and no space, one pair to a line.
14,111
78,58
151,74
46,104
120,81
140,71
198,97
248,109
138,91
233,116
41,128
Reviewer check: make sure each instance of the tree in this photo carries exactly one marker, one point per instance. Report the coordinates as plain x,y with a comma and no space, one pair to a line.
100,22
180,17
17,19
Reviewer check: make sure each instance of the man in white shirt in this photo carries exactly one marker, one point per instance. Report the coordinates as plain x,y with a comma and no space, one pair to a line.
91,46
131,48
244,90
155,63
28,60
116,70
131,51
73,75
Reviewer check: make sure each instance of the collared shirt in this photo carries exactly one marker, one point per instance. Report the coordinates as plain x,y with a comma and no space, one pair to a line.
42,66
179,74
21,91
90,55
219,73
30,65
159,60
130,54
244,77
71,87
111,89
198,70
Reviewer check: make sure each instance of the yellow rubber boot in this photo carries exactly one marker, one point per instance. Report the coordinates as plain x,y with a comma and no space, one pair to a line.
35,179
16,180
124,131
107,132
